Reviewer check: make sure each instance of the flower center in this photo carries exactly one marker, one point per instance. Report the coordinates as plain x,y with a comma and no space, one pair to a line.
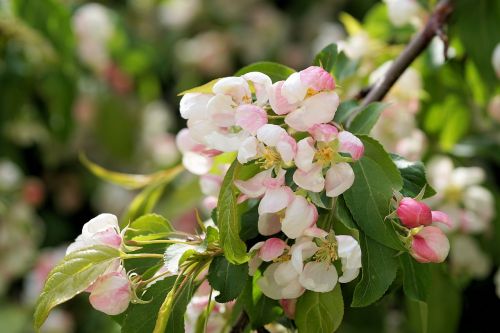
311,92
327,249
325,155
270,158
453,193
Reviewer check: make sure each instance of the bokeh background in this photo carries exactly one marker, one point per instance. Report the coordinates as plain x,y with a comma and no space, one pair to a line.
102,78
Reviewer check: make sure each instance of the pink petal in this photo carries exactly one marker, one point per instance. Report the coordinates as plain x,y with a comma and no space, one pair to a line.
111,293
293,89
278,102
316,232
317,78
323,132
339,178
250,117
351,144
270,134
272,249
287,148
262,84
441,217
430,245
220,110
311,180
275,200
254,187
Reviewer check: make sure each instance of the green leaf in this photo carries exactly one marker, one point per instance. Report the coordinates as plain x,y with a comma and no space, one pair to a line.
143,203
261,310
249,227
345,110
320,312
345,67
379,270
474,22
343,214
364,121
141,318
228,221
73,275
320,199
275,71
327,58
414,179
416,277
149,227
227,278
376,179
203,89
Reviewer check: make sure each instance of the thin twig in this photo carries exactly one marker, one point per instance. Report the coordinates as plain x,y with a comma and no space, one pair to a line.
417,45
241,323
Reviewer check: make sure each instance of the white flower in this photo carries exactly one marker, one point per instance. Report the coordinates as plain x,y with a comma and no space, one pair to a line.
467,257
101,230
402,12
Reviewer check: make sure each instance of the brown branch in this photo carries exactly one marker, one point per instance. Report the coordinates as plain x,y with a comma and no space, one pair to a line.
241,323
417,45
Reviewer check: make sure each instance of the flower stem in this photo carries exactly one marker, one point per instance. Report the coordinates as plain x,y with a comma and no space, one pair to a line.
141,255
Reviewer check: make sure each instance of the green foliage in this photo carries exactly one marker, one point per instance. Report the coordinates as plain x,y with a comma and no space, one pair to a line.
366,118
414,179
416,278
228,279
203,89
379,270
376,179
327,58
73,275
275,71
345,110
228,220
261,310
320,312
149,227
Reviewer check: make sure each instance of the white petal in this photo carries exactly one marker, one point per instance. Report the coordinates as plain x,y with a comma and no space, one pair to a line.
100,223
248,150
311,180
305,154
318,109
226,142
196,163
236,87
220,110
262,84
349,249
348,275
302,251
299,216
339,178
194,105
275,200
293,89
268,284
318,277
285,272
269,224
292,290
270,134
173,254
254,187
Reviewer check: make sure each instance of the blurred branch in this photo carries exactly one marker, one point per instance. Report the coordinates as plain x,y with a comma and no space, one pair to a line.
418,44
241,323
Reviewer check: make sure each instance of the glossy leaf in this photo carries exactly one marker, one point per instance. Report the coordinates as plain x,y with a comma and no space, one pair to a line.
366,118
414,178
376,179
228,220
327,58
203,89
320,312
227,278
275,71
344,111
72,276
149,227
416,277
379,270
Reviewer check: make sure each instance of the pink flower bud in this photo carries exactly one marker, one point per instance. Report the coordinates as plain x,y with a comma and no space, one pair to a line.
289,306
317,78
111,293
430,245
413,213
349,143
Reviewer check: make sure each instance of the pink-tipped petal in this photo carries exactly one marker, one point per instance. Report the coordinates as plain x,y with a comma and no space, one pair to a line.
278,102
317,78
323,132
272,249
270,134
351,144
262,84
311,180
293,89
287,148
441,217
339,178
250,117
289,306
221,111
111,293
254,187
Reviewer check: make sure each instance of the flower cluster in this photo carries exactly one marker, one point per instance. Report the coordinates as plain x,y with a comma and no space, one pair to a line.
286,128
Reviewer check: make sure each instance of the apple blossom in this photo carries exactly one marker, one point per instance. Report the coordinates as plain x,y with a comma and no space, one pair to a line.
413,213
101,230
111,293
196,157
430,244
313,155
402,12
